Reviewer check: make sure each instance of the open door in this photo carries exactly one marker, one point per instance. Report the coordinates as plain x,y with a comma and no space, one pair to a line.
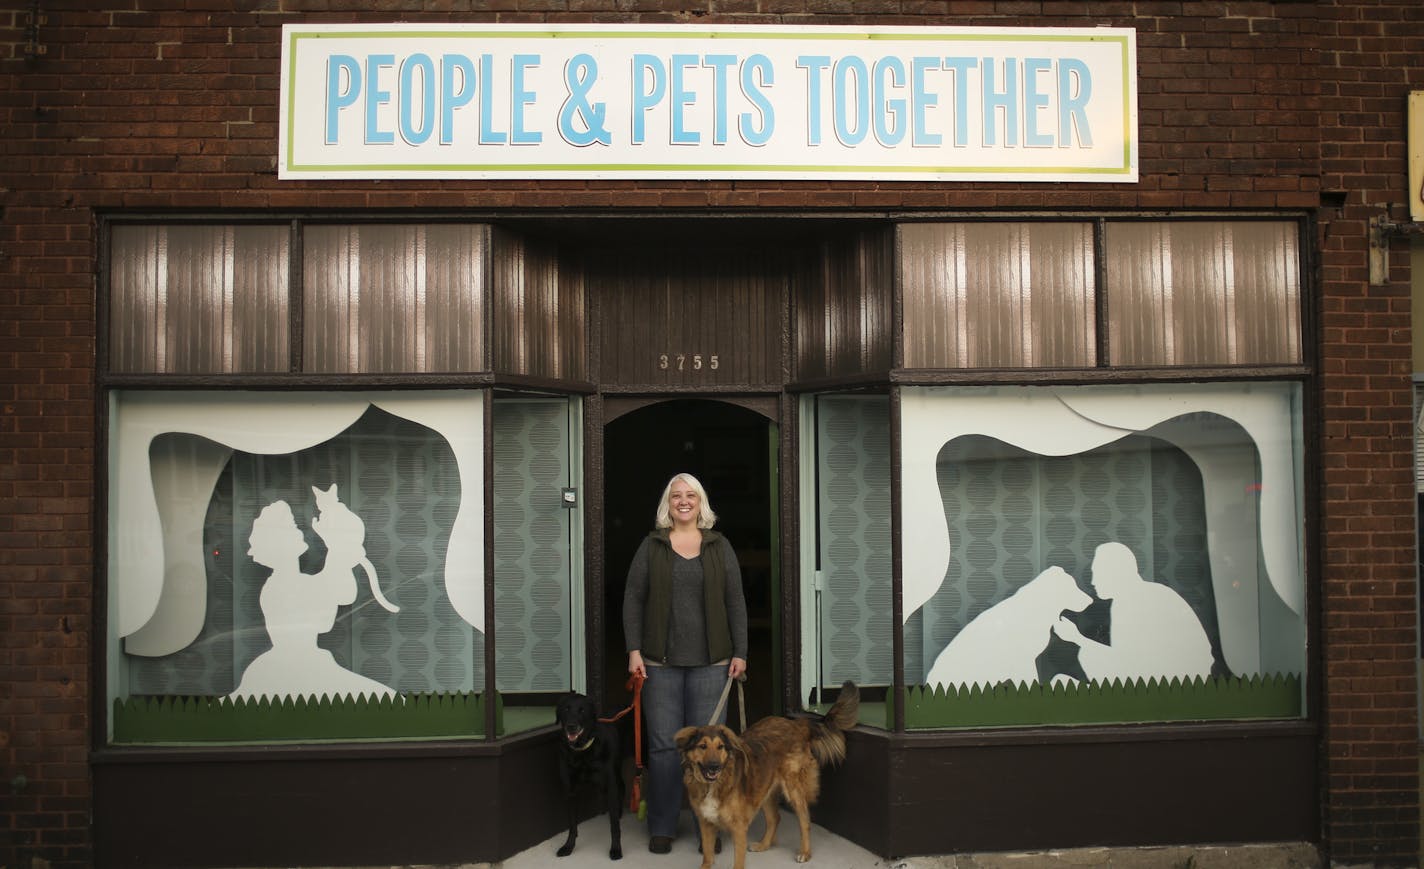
732,450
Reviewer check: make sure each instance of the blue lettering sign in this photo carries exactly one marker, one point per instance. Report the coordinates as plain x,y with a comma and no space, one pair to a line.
1035,102
960,67
1073,102
488,134
520,98
851,72
377,96
995,99
453,94
424,67
645,97
889,114
814,66
921,101
337,98
761,65
681,98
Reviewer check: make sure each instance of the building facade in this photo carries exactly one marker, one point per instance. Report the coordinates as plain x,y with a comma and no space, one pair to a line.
338,398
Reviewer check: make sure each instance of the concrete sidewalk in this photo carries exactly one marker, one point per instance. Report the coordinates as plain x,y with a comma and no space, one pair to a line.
830,851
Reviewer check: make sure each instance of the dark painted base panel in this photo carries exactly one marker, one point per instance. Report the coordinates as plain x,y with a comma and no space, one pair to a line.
930,794
895,796
390,805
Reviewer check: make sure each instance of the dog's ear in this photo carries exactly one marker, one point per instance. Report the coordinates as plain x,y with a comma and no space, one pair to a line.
685,737
736,748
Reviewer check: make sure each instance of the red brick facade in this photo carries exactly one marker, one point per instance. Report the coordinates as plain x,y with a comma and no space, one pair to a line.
173,105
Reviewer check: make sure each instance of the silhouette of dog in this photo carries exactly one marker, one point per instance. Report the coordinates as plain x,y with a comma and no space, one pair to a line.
1003,642
589,756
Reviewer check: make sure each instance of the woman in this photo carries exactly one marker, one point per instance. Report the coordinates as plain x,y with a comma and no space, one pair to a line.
685,622
298,608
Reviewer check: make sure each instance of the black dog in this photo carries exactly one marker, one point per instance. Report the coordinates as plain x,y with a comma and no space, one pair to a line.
589,753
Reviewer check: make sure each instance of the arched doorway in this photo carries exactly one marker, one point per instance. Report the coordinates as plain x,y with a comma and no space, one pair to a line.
732,450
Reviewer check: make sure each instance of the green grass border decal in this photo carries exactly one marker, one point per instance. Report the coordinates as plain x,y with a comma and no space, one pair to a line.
1007,705
220,719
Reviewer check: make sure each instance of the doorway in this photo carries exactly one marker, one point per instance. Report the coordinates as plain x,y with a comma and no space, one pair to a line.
731,450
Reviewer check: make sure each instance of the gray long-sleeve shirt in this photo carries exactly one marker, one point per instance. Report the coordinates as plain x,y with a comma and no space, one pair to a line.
687,630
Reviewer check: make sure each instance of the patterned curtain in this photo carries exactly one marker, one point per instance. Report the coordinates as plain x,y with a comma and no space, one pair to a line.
853,494
532,564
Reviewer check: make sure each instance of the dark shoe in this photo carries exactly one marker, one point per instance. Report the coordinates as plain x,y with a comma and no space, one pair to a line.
660,844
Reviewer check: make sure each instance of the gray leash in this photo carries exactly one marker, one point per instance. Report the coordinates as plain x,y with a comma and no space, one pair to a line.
741,700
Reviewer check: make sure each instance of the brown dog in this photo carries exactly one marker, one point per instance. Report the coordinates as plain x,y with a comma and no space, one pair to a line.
730,778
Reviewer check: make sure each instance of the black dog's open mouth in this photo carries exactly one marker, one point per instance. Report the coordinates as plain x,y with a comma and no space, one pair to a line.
574,735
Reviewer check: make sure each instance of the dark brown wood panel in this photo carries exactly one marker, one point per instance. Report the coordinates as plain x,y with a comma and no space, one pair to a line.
343,806
843,307
696,317
908,795
540,320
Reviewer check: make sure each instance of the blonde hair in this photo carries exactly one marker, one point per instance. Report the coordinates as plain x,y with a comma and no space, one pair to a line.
705,517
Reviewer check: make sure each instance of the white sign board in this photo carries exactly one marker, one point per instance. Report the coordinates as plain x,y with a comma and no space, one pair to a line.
751,102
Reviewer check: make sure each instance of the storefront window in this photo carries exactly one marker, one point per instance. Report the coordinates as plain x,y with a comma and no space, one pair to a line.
303,565
296,565
1102,553
537,542
846,594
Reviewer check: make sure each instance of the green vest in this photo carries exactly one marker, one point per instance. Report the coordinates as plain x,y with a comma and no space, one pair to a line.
658,611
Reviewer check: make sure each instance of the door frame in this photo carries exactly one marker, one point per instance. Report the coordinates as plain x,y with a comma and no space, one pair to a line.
606,409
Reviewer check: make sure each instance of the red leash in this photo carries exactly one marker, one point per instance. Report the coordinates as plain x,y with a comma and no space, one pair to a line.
635,684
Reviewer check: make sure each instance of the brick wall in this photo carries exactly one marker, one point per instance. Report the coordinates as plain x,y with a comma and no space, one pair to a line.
1242,105
1371,55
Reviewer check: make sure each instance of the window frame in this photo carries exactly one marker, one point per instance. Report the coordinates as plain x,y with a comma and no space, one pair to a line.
110,383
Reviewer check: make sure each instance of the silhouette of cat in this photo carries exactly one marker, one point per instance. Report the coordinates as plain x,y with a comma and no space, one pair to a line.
344,534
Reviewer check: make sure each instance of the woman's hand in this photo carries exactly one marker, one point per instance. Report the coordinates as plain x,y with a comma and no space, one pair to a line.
736,668
635,665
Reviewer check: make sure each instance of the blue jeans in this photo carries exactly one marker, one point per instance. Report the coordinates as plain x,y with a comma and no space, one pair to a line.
674,698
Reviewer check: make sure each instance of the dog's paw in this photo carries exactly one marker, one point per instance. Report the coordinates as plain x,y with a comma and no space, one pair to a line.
565,849
615,853
757,846
803,856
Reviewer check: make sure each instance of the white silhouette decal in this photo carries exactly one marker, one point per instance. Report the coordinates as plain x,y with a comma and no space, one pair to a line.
1003,642
1069,421
298,607
156,611
1154,632
343,531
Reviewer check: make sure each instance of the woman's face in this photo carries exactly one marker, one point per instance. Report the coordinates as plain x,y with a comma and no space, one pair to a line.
683,503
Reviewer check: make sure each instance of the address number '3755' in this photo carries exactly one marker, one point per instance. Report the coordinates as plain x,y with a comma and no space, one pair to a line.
686,361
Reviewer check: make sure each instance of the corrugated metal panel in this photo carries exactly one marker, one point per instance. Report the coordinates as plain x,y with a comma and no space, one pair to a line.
394,298
540,311
1207,293
199,299
686,316
843,308
998,295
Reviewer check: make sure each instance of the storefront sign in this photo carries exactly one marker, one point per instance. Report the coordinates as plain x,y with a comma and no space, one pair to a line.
1415,143
517,101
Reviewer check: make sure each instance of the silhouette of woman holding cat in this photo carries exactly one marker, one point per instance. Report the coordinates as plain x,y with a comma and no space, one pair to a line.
299,607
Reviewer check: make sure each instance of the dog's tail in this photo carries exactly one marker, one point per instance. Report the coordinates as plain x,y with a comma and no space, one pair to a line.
828,735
